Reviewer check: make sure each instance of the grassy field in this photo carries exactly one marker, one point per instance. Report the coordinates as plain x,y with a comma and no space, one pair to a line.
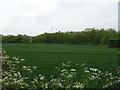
48,56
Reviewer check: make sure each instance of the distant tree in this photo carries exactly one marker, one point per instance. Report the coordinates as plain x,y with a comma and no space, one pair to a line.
88,36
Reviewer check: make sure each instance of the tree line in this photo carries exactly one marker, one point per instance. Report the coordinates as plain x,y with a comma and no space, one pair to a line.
90,36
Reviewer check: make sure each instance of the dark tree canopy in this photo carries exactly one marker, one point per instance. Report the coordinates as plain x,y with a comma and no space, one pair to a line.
88,36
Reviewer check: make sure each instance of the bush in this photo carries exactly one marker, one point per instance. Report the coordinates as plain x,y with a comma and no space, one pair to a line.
114,42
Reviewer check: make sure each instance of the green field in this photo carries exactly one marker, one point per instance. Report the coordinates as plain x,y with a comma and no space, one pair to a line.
48,56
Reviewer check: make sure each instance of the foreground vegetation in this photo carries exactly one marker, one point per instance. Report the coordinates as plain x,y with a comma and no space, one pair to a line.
13,77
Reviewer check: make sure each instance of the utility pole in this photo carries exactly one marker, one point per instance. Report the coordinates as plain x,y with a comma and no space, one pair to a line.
118,30
30,39
119,16
51,29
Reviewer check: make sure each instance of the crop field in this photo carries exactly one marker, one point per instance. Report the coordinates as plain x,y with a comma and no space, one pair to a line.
48,56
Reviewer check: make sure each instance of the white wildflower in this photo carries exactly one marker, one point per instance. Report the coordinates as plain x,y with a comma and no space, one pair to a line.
69,76
64,70
15,74
34,67
22,60
17,62
72,70
24,67
26,77
42,78
87,71
83,64
29,69
63,64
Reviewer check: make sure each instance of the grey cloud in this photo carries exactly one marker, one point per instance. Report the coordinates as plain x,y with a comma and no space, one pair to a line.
35,17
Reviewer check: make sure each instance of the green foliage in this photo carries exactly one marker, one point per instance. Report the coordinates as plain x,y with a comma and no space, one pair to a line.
114,42
13,77
88,36
16,39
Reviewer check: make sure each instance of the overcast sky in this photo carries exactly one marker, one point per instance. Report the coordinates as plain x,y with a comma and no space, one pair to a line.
33,17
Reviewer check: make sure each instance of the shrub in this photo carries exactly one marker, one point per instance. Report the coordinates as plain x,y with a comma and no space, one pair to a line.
114,42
